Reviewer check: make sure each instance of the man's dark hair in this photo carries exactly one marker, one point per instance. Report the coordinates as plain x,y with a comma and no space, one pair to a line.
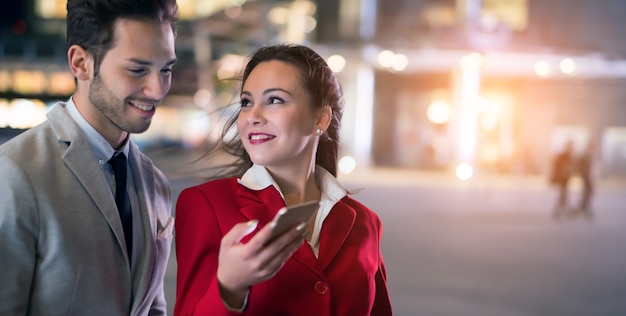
90,23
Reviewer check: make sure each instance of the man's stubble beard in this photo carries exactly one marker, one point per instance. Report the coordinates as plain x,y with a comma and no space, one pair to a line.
112,108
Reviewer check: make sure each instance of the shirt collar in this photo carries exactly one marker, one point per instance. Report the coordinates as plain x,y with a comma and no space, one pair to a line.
331,189
99,146
258,178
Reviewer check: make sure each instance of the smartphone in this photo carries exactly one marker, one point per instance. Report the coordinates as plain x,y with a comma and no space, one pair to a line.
292,216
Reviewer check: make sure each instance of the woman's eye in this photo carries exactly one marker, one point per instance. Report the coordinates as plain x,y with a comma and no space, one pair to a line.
245,103
275,100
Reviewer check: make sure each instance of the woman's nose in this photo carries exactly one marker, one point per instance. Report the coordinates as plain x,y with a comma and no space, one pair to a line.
256,115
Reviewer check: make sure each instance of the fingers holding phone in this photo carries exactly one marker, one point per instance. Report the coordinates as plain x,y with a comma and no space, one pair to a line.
291,216
275,253
243,265
286,233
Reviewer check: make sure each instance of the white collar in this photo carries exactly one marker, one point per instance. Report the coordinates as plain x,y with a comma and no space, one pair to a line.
258,178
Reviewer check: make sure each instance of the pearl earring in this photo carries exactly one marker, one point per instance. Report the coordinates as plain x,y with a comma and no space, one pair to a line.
318,131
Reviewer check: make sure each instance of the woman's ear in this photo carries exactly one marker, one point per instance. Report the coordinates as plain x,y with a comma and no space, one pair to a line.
326,116
80,62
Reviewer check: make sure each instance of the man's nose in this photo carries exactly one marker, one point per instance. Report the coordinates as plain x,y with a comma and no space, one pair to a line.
156,86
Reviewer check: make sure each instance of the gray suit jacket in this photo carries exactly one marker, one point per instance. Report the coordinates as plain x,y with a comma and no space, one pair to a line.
62,248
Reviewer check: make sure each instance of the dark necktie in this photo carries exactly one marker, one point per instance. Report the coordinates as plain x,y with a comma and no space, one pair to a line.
118,163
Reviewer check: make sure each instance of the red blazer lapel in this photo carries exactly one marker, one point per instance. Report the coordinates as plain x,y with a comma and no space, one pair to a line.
261,205
334,232
305,256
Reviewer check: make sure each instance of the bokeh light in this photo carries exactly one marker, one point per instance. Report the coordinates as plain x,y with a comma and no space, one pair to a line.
438,112
542,68
347,164
336,63
464,171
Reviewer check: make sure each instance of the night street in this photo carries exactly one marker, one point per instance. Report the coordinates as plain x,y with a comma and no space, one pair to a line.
464,120
488,247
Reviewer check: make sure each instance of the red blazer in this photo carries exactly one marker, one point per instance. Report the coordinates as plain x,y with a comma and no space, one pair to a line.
348,278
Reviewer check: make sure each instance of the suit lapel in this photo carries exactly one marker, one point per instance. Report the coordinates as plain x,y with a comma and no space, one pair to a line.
144,183
335,231
80,160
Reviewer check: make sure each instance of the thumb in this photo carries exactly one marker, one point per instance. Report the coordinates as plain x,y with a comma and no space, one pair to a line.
240,231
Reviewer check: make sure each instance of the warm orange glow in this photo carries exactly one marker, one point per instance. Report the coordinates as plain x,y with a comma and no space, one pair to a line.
471,61
512,13
438,112
51,9
61,83
278,16
23,113
27,82
5,80
481,104
489,121
489,152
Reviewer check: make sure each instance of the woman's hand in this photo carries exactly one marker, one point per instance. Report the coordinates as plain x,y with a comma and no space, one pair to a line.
243,265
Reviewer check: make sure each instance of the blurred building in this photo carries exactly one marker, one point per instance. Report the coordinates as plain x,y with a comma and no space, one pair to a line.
498,85
492,85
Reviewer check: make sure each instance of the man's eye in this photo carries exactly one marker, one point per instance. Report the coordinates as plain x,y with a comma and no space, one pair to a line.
136,71
166,71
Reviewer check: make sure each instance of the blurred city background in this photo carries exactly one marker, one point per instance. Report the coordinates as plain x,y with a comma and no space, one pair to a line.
454,112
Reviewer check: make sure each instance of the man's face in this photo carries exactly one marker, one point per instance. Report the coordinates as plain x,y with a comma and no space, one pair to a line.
134,77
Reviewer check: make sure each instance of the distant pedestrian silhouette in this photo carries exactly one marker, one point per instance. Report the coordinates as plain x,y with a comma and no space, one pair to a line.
562,166
584,167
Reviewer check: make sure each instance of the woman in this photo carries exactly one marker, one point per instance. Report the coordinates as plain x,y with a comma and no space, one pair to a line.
287,142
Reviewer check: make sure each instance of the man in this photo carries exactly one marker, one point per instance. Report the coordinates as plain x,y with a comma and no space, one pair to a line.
78,236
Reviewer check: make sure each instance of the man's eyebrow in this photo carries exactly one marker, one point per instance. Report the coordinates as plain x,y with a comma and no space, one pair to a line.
149,63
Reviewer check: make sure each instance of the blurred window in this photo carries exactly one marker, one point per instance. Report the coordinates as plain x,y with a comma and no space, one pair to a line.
189,9
512,13
51,9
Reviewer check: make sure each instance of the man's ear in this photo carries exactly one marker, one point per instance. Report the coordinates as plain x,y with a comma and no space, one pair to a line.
80,61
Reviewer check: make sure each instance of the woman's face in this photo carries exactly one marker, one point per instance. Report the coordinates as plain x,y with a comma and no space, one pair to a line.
277,122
